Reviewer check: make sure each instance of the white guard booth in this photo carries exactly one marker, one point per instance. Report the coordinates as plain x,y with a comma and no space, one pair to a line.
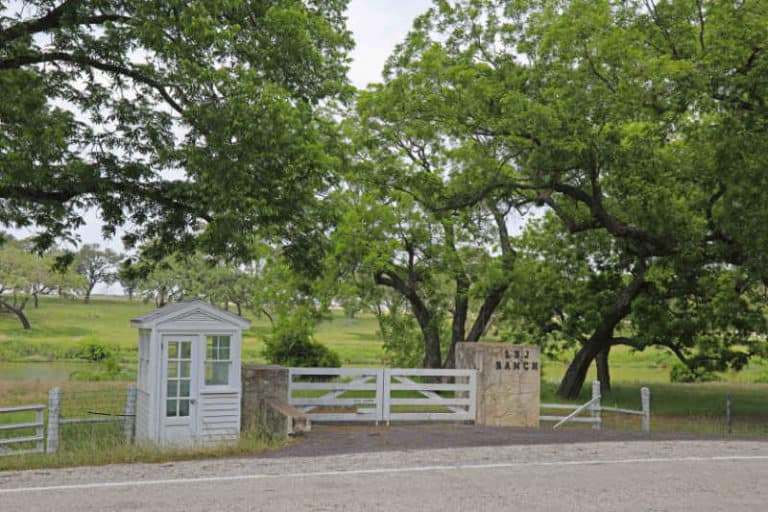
189,374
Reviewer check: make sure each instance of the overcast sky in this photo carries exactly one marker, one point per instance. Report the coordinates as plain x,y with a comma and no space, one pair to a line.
378,25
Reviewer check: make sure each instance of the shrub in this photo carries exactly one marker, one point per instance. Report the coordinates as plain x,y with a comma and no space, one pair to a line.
291,344
108,369
682,373
402,341
93,351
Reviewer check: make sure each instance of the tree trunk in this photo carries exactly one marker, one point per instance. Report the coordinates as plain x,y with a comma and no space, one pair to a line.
22,318
480,324
601,339
576,374
461,295
603,371
461,307
450,357
432,357
424,317
484,316
36,300
19,312
239,309
87,298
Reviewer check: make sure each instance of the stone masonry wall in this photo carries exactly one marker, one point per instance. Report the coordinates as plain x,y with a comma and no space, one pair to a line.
508,382
261,383
265,402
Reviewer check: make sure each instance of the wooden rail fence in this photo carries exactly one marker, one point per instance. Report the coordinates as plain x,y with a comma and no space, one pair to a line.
595,409
38,438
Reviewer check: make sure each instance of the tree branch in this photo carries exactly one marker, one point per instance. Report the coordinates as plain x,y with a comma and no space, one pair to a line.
653,245
570,223
701,24
24,60
47,22
747,67
461,296
420,310
56,19
495,296
597,73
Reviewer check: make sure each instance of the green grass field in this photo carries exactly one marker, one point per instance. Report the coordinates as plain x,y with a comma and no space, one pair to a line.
61,326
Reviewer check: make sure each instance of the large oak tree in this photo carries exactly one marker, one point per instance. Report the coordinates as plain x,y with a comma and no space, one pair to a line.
172,118
640,119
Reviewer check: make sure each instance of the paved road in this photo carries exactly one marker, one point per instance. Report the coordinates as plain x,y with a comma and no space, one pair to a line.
612,476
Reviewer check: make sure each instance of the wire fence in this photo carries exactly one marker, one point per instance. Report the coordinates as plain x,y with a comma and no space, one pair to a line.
101,403
90,419
721,414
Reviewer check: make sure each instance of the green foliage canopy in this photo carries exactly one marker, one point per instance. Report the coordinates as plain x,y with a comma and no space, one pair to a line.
642,120
179,118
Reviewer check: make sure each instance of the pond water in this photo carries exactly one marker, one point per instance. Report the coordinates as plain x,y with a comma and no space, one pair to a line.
49,372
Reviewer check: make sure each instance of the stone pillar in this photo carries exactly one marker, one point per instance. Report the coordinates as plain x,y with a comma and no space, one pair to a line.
261,383
265,404
508,382
129,414
645,401
54,415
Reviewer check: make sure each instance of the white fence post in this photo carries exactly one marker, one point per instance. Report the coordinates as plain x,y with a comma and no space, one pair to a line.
54,415
473,396
645,402
129,413
382,395
595,407
40,446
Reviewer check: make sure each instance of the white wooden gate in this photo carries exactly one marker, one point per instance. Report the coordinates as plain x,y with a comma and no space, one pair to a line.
458,401
337,394
383,395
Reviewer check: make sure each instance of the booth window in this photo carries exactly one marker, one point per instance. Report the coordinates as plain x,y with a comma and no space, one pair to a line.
217,361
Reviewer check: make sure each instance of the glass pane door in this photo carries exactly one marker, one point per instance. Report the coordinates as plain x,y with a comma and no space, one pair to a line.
178,378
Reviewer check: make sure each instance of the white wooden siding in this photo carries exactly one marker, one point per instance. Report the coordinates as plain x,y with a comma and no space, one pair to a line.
219,416
144,383
216,414
195,321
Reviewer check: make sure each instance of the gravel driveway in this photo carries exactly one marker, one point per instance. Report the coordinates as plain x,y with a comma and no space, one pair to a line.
333,440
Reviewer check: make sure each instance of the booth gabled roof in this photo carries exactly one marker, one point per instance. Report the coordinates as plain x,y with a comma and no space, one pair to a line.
177,309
